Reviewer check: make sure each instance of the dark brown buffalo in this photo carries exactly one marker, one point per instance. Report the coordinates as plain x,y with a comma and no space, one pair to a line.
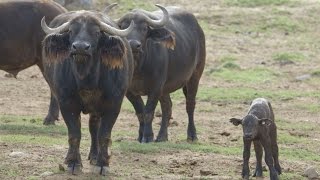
88,65
21,36
169,51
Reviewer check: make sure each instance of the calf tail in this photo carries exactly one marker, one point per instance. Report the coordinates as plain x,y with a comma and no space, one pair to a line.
271,111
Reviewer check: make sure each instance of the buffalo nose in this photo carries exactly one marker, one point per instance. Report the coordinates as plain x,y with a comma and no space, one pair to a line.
81,46
135,45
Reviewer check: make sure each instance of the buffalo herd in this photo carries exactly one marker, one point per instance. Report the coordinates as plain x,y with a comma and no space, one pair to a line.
91,62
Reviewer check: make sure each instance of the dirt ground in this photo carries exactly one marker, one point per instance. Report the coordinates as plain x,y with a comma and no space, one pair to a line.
28,95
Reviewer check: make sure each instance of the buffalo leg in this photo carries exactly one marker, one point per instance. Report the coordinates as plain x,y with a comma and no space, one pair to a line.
190,92
268,158
94,123
166,108
104,140
71,116
148,118
275,151
53,112
138,105
246,156
259,151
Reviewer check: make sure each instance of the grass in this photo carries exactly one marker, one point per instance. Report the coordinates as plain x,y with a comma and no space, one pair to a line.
254,3
288,57
281,23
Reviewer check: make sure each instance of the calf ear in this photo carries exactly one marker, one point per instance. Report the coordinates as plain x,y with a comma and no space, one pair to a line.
235,121
165,36
265,121
112,51
55,48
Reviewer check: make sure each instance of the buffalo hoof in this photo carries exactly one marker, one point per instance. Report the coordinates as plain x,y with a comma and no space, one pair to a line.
147,139
162,139
246,177
74,169
101,170
192,139
257,173
49,120
278,169
139,138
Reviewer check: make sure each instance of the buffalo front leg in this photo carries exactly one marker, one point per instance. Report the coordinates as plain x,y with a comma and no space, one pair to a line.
94,124
246,156
71,116
166,108
259,151
148,118
104,141
138,105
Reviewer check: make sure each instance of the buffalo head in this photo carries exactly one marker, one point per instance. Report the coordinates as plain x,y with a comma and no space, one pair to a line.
147,26
84,36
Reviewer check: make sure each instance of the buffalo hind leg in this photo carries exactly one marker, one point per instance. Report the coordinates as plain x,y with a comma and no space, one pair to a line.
166,108
190,92
94,123
138,105
71,116
53,112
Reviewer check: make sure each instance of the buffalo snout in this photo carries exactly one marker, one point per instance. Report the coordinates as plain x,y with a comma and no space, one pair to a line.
135,45
81,47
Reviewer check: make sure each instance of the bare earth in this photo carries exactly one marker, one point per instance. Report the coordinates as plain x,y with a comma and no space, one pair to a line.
28,95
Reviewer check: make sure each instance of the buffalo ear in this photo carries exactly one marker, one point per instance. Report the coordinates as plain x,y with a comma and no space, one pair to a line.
55,48
235,121
165,36
265,121
112,51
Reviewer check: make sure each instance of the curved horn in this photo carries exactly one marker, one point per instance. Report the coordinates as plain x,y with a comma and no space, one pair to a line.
161,22
49,30
114,31
108,8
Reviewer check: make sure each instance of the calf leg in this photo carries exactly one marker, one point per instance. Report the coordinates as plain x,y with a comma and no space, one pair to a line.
166,108
246,157
275,151
268,157
94,124
138,105
71,115
259,152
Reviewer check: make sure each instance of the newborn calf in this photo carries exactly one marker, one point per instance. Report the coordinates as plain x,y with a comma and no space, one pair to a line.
259,126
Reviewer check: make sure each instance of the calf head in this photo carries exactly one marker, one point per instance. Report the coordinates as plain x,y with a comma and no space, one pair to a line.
84,38
147,26
251,125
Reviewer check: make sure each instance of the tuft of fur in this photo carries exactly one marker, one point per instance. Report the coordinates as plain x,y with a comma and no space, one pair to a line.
170,42
112,52
55,48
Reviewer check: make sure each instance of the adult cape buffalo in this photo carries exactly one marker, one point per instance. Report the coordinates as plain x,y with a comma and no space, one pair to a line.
169,51
21,36
88,65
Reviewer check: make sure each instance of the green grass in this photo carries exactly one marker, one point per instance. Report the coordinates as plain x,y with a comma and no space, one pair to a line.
254,3
285,57
280,23
231,72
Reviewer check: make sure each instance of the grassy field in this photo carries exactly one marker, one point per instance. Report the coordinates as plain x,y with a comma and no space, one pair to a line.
255,48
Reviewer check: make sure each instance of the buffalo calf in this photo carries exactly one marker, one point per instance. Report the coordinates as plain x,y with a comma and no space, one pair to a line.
259,126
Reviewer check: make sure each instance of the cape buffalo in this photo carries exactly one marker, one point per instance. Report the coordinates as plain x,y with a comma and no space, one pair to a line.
88,65
169,51
21,37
